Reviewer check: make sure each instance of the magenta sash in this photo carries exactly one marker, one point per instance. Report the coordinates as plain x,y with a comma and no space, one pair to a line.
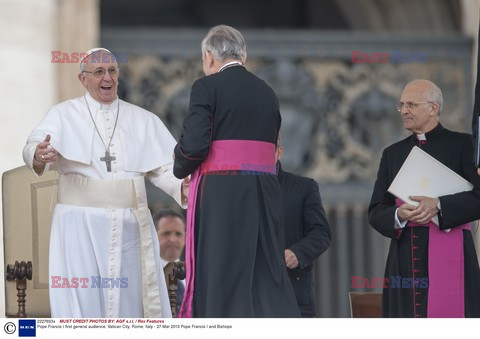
446,297
246,155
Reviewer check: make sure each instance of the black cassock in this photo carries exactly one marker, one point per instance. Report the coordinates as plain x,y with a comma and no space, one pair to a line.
454,150
240,269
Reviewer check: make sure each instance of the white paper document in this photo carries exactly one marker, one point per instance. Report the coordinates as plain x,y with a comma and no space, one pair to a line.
421,174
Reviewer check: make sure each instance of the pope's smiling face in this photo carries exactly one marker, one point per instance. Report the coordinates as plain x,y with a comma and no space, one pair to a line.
101,88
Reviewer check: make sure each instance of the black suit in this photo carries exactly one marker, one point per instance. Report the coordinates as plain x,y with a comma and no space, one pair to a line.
307,233
180,292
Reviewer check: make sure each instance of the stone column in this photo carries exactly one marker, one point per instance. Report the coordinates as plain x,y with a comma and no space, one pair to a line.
80,31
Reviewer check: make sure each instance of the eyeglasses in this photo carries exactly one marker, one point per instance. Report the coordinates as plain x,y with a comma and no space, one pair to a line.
411,105
100,72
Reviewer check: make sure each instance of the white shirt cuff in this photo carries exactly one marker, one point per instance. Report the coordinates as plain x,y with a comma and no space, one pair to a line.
399,224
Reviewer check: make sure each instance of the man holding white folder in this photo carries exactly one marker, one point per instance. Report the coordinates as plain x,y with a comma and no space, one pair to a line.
431,272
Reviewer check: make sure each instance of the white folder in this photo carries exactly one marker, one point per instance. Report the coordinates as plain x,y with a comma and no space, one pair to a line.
422,174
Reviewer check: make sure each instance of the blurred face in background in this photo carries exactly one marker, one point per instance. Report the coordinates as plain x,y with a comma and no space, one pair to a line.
171,235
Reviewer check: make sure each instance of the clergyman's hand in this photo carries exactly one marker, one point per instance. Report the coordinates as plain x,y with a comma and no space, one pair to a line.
291,259
426,209
407,212
44,152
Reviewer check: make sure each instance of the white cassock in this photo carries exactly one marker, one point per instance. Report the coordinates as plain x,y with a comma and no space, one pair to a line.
96,239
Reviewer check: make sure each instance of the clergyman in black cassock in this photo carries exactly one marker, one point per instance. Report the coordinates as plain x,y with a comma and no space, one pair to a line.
408,256
239,265
307,232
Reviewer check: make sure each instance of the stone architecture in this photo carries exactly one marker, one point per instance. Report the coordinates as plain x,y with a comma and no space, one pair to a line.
337,115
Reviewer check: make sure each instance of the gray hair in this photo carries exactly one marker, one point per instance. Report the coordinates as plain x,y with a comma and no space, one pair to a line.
225,43
435,94
83,67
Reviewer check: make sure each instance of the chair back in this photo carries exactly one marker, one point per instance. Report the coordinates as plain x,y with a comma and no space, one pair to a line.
365,304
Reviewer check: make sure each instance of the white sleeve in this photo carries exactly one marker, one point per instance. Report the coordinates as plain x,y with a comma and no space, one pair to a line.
399,224
164,179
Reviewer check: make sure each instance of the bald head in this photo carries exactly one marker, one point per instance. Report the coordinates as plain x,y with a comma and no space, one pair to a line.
429,91
420,105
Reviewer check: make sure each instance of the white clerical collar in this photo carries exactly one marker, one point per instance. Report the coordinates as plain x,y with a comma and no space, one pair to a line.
421,137
96,105
230,64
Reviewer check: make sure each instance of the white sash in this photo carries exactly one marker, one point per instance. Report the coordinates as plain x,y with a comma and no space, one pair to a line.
77,190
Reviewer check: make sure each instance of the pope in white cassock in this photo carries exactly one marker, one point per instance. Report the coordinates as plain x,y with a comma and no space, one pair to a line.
104,252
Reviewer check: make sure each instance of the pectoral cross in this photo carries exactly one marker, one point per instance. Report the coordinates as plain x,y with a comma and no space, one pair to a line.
108,160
